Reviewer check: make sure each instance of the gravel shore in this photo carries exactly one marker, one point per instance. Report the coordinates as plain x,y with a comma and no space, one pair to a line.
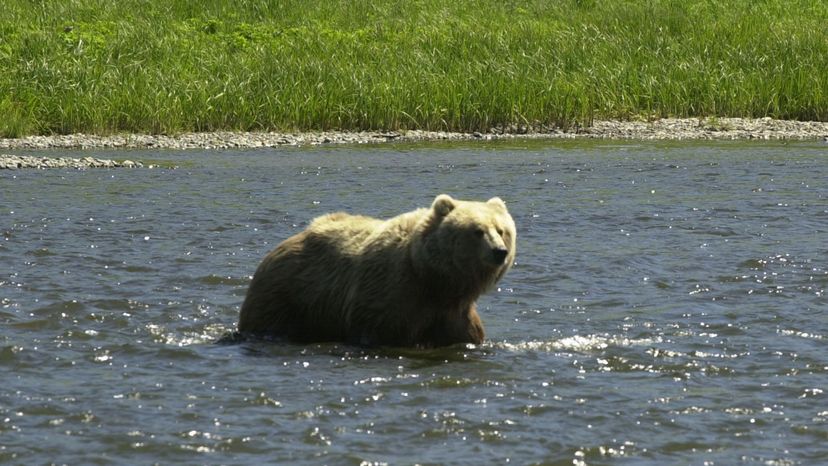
664,129
13,162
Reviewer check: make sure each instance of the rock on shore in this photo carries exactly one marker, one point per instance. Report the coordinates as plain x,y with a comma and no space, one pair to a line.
8,161
663,129
711,128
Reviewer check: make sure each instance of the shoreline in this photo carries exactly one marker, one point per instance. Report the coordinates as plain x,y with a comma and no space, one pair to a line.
16,162
667,129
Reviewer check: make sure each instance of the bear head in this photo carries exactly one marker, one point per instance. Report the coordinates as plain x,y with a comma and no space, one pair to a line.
468,243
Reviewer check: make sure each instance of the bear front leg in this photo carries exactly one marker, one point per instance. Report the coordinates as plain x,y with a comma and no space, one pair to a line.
459,326
474,326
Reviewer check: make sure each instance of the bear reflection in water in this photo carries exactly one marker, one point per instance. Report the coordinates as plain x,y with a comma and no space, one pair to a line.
411,280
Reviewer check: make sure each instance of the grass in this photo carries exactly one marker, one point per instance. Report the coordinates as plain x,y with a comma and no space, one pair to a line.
150,66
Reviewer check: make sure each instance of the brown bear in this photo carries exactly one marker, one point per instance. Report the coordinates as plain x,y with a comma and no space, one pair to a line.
411,280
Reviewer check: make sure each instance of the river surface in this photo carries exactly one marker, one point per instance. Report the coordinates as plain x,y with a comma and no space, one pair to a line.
667,306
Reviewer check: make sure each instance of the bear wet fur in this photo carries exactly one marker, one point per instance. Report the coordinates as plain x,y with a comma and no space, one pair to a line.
411,280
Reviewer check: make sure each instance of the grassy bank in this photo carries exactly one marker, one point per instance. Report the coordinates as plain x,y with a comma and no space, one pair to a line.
151,66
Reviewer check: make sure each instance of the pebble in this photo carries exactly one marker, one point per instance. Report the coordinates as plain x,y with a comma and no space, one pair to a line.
662,129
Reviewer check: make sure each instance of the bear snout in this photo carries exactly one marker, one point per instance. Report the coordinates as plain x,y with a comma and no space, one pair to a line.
499,255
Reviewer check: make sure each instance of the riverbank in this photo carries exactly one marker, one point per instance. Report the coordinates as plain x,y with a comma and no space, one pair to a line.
663,129
153,67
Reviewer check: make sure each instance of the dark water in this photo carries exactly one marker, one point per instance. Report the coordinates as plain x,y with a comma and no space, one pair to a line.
668,306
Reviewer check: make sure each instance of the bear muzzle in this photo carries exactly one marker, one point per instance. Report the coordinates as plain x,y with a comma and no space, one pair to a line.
499,255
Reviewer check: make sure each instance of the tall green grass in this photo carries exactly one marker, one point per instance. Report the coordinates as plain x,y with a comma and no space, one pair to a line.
152,66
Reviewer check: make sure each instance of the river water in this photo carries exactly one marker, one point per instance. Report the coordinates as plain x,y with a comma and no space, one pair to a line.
667,306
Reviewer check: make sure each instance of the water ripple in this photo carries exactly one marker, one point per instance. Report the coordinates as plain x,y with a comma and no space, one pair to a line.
576,343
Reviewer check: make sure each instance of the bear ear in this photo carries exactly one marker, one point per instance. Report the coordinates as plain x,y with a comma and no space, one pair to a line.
497,201
442,205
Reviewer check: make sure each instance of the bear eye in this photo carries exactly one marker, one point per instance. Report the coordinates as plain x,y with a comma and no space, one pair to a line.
500,232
